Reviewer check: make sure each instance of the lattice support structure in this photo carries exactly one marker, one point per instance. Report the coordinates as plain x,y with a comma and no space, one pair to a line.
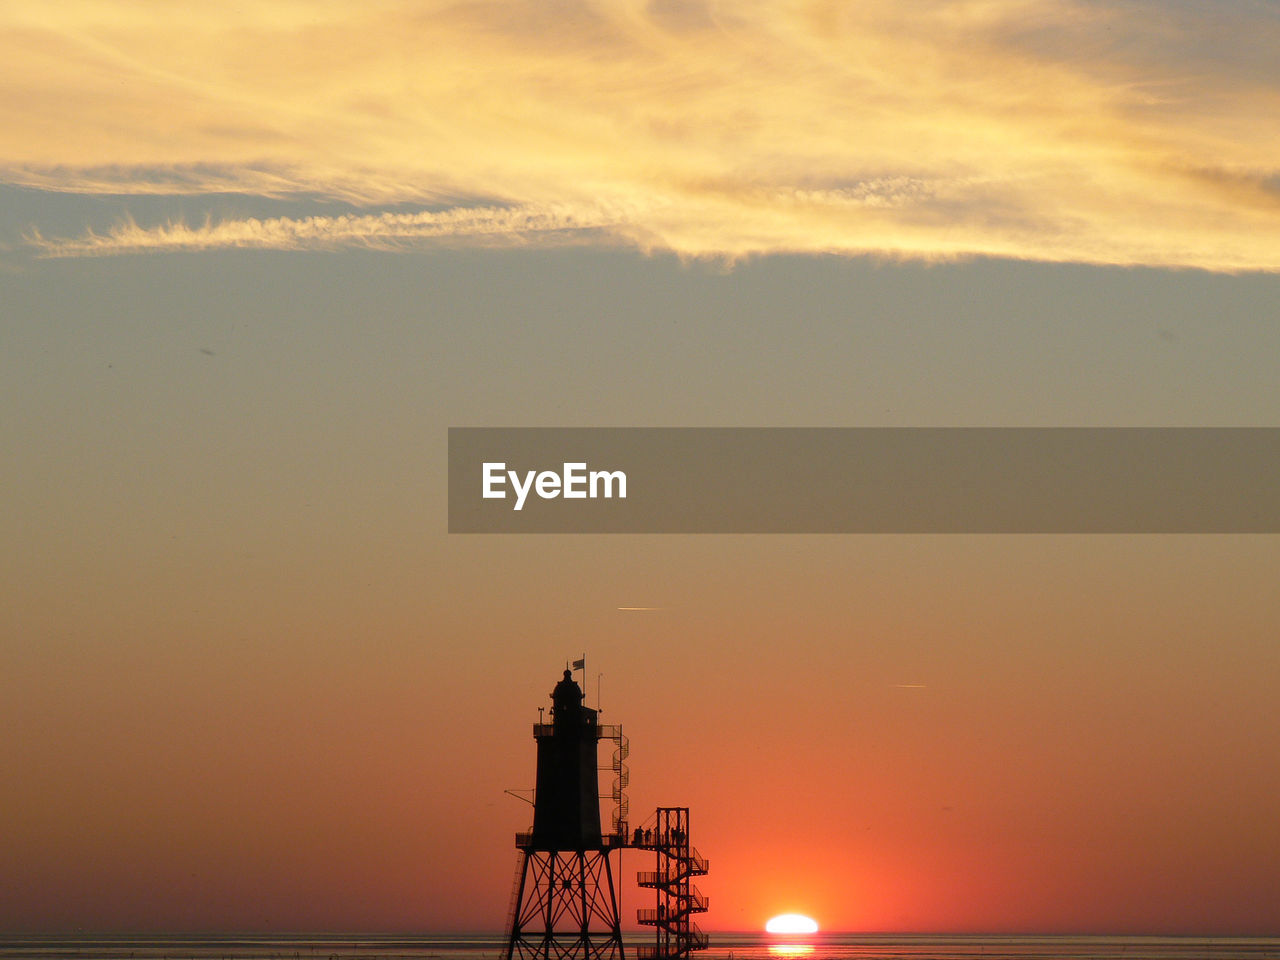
566,907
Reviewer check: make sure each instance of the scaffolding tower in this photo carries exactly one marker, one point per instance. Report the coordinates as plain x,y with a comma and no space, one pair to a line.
676,899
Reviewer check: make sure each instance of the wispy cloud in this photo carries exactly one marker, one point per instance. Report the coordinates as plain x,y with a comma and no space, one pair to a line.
484,225
1081,131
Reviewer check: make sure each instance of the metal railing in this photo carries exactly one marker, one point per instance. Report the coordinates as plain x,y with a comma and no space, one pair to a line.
679,910
698,864
608,841
515,895
695,939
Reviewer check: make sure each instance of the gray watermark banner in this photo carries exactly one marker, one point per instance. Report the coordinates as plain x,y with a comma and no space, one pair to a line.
864,480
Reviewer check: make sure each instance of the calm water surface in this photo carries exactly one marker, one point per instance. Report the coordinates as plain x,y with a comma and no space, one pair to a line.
723,947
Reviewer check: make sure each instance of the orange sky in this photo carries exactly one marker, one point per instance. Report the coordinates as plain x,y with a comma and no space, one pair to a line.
940,736
256,259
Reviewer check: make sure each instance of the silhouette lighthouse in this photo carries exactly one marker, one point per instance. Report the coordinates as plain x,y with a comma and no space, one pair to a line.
565,902
566,811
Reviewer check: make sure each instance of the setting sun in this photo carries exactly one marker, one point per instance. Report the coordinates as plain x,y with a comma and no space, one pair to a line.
791,923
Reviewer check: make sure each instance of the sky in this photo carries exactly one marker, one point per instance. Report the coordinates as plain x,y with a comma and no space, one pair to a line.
254,262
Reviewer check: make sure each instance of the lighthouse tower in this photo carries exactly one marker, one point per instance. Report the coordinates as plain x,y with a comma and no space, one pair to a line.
565,904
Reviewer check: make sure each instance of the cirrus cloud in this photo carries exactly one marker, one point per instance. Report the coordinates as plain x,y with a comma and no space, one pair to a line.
1081,131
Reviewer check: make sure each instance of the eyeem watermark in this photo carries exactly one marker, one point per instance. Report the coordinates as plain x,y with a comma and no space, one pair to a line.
864,480
574,482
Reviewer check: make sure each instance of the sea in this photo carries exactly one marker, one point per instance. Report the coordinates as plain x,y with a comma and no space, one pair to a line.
723,947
